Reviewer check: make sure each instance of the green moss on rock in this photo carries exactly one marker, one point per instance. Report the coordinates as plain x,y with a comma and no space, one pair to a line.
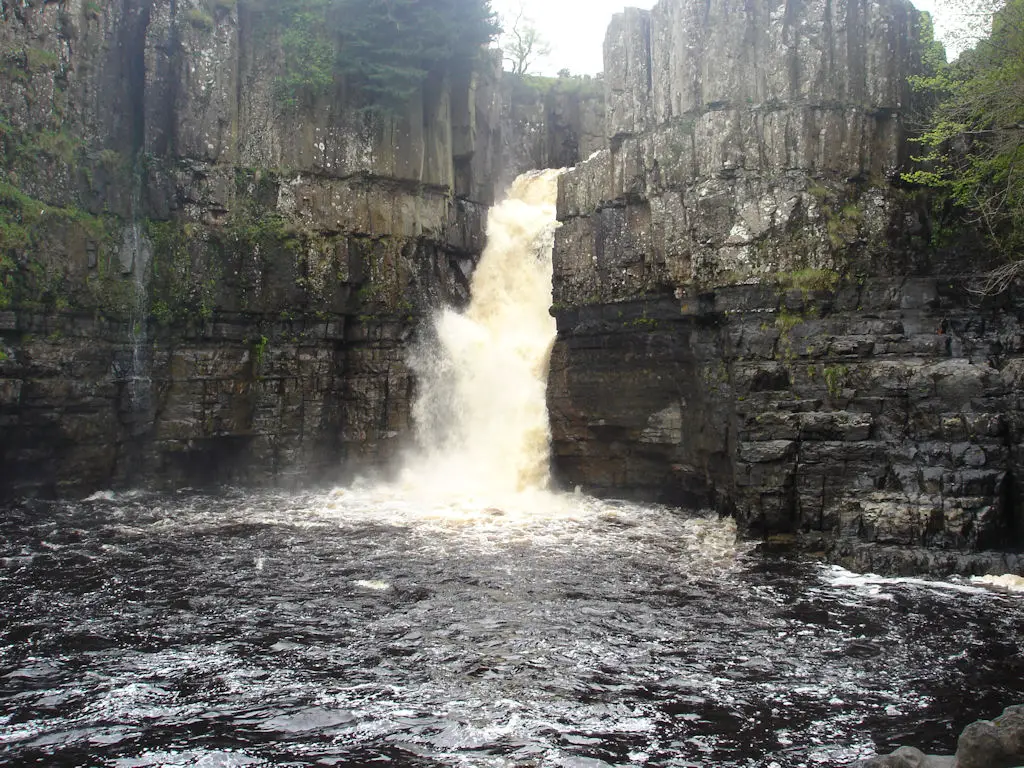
184,280
33,239
808,280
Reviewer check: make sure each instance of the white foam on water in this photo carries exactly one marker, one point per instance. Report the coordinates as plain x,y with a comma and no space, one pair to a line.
118,496
873,585
545,519
192,758
480,470
1007,582
481,414
374,585
101,496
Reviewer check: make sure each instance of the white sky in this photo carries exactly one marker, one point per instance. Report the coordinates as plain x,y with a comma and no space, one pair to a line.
575,28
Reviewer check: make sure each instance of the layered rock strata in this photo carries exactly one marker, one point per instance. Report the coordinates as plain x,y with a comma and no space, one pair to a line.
751,314
550,124
202,282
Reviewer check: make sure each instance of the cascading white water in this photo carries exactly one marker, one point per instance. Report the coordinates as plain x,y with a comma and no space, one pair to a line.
481,414
135,256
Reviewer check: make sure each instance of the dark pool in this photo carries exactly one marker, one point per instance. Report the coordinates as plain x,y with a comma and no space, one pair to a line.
365,627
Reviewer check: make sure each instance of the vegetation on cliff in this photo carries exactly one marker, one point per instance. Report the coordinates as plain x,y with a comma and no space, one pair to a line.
526,87
385,49
26,224
973,138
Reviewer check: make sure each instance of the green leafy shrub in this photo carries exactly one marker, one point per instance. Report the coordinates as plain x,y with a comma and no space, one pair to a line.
309,52
972,139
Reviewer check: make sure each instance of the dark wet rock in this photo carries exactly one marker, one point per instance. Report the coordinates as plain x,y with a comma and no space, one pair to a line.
983,744
907,561
238,308
858,456
995,744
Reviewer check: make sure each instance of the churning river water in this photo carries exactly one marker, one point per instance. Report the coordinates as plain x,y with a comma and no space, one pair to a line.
361,627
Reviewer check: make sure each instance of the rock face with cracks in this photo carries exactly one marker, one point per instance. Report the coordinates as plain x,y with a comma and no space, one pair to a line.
200,282
752,315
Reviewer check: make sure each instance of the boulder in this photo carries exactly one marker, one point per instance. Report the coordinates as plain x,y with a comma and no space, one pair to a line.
993,744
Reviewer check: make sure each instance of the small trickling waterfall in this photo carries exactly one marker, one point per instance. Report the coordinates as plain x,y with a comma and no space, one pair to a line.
481,414
137,332
135,256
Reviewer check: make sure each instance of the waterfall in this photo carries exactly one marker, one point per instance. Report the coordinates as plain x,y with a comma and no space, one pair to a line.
135,244
481,412
135,256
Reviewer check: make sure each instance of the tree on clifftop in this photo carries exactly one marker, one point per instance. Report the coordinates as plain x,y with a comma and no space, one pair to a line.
391,46
522,44
385,49
973,139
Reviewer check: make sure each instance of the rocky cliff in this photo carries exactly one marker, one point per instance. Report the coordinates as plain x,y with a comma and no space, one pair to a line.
202,282
550,123
752,314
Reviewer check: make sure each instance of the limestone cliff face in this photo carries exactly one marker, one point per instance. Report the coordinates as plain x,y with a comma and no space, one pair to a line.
750,315
550,124
731,127
202,283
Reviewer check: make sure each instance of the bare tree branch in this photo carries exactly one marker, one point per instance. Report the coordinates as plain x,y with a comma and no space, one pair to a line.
523,44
